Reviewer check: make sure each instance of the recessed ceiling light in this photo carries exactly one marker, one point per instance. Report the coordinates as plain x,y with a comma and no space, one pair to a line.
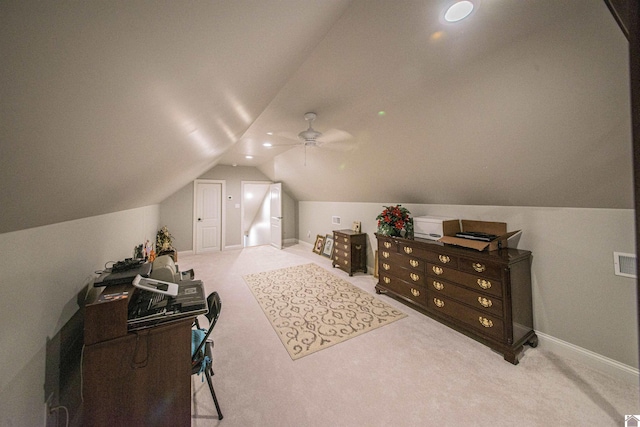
270,133
267,144
458,11
248,157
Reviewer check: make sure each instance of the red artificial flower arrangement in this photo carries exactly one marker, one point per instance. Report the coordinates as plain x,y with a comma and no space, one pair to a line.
395,221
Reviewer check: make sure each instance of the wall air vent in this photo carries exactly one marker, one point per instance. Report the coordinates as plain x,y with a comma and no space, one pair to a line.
624,264
335,220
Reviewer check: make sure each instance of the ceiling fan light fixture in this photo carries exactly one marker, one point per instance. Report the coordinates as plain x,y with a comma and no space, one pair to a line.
309,135
458,11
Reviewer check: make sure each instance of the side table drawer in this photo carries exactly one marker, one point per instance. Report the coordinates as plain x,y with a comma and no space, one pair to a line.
342,259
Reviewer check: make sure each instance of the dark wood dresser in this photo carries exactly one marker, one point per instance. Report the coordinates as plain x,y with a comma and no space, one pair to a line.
349,251
485,295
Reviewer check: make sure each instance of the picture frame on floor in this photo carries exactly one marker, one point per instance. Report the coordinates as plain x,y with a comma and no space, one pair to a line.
328,246
319,245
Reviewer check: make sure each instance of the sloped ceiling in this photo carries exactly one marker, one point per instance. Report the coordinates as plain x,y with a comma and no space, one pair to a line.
111,105
114,105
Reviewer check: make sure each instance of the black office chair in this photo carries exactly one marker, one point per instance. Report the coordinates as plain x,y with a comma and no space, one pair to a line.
202,359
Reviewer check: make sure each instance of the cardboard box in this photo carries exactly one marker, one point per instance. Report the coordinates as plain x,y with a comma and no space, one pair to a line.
434,227
497,228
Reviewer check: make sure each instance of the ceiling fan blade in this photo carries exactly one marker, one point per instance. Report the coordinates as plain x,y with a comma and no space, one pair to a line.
334,135
293,144
339,146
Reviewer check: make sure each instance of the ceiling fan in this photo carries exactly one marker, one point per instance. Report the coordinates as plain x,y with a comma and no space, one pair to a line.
312,138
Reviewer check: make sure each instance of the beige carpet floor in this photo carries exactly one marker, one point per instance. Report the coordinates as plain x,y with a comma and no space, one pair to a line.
312,309
411,372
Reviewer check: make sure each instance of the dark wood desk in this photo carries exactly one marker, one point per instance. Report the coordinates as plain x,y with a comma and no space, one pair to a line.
140,378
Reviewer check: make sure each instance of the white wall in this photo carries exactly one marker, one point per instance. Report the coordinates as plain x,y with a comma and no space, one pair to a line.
43,269
576,296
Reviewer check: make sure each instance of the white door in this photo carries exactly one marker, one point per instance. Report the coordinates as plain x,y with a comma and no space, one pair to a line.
208,217
276,215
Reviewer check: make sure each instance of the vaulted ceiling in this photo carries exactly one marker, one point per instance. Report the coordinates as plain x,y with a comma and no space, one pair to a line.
108,106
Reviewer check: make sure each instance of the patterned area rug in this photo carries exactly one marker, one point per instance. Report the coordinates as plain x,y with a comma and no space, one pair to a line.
311,309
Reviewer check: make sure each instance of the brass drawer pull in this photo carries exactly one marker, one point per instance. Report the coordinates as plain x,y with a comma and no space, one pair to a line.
415,292
438,302
437,270
346,262
414,277
408,250
485,302
358,247
386,280
444,259
346,246
439,286
487,323
484,284
479,267
346,240
385,254
387,245
413,263
386,266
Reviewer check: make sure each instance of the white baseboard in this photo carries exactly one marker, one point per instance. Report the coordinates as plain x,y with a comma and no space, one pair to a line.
596,361
232,247
302,242
184,253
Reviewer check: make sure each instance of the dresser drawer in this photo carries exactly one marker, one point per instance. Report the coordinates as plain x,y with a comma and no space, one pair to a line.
387,245
486,269
437,257
413,250
481,322
414,292
406,274
415,264
482,302
472,281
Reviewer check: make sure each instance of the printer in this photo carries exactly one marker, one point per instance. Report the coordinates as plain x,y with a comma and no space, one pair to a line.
434,227
166,270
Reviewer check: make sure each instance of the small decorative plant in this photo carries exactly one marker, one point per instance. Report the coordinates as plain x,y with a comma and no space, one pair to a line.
395,221
164,240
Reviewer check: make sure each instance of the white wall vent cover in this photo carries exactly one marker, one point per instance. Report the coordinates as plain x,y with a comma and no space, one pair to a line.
624,264
335,220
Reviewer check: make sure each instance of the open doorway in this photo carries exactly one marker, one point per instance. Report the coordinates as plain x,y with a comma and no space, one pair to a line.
256,213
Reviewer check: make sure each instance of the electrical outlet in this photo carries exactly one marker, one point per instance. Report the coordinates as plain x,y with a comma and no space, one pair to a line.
47,409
